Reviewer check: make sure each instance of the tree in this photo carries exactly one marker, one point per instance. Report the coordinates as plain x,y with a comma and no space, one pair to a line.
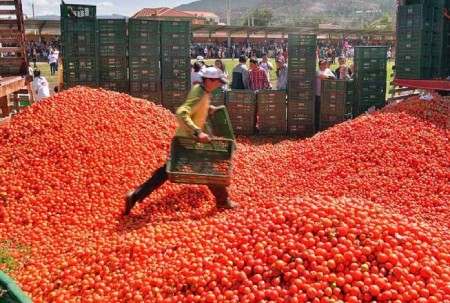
385,23
259,17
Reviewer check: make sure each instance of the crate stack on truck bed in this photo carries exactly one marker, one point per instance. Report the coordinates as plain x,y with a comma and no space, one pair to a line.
175,63
79,45
113,43
144,55
336,102
301,84
422,40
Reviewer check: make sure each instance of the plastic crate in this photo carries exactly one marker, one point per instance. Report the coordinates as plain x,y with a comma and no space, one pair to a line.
118,26
145,86
154,97
299,39
302,51
300,129
81,76
176,51
176,84
301,62
117,86
78,11
144,62
173,99
144,74
410,16
168,63
169,39
271,107
79,51
301,84
370,52
78,25
112,50
77,64
301,95
146,38
370,65
77,38
192,162
142,25
242,110
116,74
111,38
143,50
378,87
112,62
299,117
219,124
218,98
10,292
176,73
371,76
69,84
175,27
301,73
302,106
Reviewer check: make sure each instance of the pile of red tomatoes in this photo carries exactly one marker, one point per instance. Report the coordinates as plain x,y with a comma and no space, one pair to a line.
358,213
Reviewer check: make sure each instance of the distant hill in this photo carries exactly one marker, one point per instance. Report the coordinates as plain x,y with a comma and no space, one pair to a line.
344,13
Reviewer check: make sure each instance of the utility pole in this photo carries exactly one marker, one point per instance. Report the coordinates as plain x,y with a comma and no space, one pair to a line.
229,23
32,8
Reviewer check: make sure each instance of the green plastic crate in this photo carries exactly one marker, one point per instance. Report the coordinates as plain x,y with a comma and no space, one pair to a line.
78,11
191,162
242,111
113,74
112,50
175,27
142,25
169,39
118,26
176,51
119,62
301,62
10,292
154,97
145,86
78,25
117,86
218,98
299,39
302,51
219,124
173,84
168,63
111,38
143,50
145,74
173,99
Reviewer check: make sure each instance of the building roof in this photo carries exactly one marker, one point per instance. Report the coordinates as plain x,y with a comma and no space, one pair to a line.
207,15
161,11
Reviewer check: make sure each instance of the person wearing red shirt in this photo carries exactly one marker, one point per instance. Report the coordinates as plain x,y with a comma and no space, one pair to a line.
257,76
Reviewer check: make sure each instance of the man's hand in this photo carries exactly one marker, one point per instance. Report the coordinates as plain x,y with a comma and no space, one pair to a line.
203,138
212,110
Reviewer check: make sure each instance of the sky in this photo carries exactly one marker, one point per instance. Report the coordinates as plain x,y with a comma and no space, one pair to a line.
104,7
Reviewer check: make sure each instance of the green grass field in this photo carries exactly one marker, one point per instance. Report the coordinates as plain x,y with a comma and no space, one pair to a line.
229,63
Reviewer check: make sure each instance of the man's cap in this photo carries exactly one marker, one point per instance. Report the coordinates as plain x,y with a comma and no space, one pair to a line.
214,73
200,58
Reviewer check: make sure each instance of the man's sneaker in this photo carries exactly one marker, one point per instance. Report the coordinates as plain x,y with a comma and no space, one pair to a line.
129,202
228,205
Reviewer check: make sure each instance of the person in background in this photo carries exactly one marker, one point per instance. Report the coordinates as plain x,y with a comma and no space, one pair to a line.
347,73
192,115
219,64
389,54
257,76
240,74
40,86
266,65
202,63
196,75
322,73
52,60
282,74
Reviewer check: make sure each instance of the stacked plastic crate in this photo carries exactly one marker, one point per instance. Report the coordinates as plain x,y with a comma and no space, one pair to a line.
301,84
143,59
79,45
112,38
241,108
175,63
370,77
271,106
422,40
336,102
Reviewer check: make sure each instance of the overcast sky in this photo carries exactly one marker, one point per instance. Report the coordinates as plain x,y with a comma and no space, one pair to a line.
104,7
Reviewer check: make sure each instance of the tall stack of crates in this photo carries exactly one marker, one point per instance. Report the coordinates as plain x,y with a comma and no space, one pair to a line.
422,40
175,63
112,38
271,106
242,111
370,77
301,84
144,54
79,45
336,102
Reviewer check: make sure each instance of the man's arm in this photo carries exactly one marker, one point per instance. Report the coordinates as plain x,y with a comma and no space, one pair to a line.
184,112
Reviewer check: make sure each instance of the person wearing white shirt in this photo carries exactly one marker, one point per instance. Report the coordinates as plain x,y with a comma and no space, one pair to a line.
196,75
52,60
40,93
266,65
322,73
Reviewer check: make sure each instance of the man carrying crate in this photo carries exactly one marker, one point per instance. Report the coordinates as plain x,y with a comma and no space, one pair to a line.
192,116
